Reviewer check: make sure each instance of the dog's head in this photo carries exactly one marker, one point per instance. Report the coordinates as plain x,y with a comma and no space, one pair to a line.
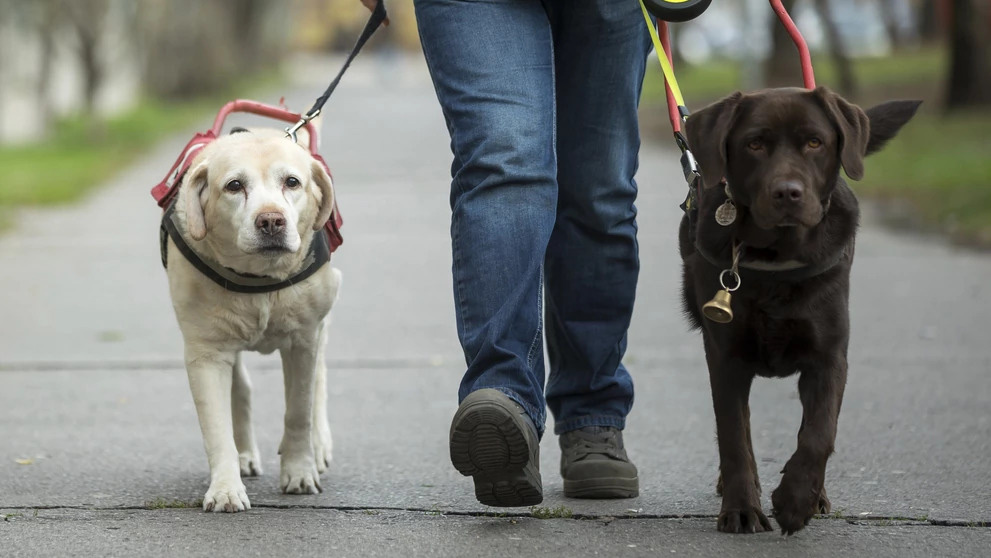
781,150
254,200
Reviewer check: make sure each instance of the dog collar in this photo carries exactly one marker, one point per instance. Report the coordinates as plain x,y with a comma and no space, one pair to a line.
790,270
231,280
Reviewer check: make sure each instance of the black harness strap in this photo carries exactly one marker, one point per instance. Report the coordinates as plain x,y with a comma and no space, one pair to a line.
317,255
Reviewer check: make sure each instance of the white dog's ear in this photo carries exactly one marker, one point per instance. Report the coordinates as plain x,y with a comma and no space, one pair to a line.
195,183
326,185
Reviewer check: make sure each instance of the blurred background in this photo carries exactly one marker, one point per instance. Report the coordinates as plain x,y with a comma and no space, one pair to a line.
87,85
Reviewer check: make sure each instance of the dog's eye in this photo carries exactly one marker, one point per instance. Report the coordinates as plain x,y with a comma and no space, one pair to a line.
755,145
815,143
234,186
292,182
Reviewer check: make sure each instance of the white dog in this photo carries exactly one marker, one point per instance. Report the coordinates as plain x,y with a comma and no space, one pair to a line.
248,209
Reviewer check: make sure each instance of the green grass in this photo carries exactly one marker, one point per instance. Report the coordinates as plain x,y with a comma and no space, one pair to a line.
702,84
81,153
560,512
163,504
938,167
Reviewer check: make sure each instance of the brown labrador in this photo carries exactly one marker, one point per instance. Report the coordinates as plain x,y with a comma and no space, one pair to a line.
777,155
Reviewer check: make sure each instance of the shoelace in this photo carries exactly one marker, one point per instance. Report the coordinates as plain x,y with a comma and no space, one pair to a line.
598,443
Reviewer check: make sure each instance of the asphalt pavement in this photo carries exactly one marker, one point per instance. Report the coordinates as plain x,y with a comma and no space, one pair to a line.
100,451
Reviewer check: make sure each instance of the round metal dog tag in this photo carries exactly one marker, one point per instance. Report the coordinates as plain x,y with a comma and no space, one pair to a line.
726,213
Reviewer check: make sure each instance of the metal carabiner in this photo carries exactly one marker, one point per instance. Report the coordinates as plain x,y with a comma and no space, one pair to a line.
291,130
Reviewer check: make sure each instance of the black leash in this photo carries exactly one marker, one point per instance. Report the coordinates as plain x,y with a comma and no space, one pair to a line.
374,21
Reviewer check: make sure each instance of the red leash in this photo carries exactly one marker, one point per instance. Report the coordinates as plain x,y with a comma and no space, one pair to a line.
808,75
673,112
796,36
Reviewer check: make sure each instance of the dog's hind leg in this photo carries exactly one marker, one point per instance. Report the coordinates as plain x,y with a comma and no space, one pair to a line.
244,433
800,494
322,442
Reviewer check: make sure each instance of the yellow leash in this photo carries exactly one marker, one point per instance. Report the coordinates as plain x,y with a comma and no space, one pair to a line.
662,57
678,114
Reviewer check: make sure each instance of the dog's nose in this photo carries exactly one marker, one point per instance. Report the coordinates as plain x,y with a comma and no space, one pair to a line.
270,223
787,191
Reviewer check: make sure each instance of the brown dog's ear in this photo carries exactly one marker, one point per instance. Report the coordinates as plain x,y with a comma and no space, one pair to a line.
195,183
886,119
854,130
326,184
707,131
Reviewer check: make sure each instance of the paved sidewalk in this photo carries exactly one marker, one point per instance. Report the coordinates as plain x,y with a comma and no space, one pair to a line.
97,424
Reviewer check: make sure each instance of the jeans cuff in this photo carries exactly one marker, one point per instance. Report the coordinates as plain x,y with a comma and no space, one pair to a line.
589,420
537,418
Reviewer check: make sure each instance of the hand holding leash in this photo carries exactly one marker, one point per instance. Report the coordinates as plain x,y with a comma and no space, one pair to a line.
372,4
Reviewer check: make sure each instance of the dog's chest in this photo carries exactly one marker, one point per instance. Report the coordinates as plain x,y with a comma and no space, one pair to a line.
265,325
783,335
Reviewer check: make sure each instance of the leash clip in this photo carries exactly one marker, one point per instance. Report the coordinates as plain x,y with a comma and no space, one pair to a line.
688,163
690,167
303,120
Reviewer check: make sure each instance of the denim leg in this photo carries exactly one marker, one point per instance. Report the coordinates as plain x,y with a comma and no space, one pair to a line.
492,67
592,261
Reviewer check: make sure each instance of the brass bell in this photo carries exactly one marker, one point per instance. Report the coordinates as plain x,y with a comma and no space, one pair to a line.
718,309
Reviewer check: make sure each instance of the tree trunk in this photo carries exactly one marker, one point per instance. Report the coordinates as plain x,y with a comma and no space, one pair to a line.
46,34
88,18
929,22
844,69
969,83
783,67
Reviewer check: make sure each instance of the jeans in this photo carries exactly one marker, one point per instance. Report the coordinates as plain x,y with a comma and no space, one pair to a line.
540,99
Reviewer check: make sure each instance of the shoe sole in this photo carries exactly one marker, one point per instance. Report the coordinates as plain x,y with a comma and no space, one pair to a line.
489,444
602,488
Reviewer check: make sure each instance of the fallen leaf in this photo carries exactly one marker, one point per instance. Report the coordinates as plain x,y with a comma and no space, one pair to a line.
25,461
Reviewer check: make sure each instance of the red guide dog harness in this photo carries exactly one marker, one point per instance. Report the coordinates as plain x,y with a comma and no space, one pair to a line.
166,193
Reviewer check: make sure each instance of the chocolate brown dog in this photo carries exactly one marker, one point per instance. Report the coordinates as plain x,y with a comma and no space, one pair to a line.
770,163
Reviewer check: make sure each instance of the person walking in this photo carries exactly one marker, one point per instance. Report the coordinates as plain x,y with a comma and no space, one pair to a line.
540,99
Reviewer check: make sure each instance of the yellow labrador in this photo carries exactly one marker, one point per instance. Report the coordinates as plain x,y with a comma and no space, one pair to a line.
251,204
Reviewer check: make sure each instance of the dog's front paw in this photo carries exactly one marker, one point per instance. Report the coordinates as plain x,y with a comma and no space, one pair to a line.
745,519
250,462
226,497
299,476
796,500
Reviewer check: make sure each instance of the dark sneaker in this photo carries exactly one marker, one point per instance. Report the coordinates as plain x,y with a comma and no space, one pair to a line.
495,442
594,464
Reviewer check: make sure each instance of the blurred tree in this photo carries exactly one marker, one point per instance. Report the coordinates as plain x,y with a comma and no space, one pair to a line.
969,82
50,18
928,18
87,18
196,46
334,24
782,67
844,69
890,12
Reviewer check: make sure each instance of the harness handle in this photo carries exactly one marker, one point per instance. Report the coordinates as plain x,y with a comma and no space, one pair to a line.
262,109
